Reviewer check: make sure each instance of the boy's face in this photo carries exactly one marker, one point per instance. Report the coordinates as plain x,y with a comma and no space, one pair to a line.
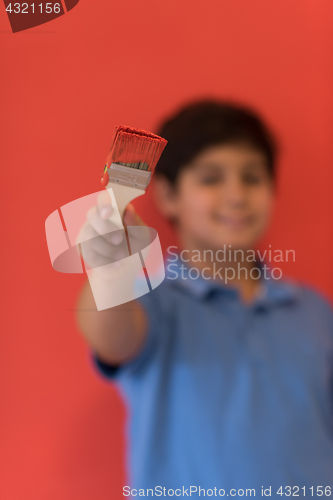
224,196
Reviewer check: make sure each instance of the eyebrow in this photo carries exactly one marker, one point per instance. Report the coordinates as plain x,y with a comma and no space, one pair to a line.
249,165
205,165
255,165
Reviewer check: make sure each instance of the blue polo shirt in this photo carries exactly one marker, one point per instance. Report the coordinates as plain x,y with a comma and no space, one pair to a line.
226,397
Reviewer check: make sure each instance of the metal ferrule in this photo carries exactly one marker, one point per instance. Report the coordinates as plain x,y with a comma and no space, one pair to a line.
128,176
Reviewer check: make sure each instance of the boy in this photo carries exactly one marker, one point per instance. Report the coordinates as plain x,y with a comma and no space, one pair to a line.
228,376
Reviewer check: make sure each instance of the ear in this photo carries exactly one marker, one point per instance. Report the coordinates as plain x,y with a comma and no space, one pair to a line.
165,196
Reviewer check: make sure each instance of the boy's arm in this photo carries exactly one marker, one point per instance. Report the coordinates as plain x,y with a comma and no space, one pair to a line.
117,334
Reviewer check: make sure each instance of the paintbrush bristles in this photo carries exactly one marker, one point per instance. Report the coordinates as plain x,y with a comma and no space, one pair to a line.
136,148
137,165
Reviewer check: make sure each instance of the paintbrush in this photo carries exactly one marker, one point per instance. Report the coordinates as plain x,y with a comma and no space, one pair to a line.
129,166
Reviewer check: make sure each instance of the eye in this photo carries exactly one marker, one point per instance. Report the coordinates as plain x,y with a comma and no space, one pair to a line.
210,179
252,179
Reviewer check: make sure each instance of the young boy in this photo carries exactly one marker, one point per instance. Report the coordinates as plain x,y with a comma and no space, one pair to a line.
227,370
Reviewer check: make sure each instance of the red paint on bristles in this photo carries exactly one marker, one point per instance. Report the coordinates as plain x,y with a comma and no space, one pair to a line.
131,145
105,179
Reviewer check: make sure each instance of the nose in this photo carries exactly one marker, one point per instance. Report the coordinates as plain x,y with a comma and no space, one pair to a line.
235,193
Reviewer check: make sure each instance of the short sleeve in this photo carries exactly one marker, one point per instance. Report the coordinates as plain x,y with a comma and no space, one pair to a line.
149,303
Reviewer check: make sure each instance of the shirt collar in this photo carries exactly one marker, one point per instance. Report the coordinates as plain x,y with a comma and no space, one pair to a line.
273,291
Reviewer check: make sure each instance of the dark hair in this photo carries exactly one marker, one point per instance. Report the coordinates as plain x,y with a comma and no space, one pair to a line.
205,123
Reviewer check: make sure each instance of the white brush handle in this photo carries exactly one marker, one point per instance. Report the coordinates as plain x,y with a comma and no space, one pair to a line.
121,196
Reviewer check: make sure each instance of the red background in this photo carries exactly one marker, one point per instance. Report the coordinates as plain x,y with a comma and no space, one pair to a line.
64,87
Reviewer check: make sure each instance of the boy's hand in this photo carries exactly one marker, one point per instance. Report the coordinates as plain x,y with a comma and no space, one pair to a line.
102,241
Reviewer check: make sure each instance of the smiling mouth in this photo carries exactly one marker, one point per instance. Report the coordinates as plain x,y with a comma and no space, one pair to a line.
234,222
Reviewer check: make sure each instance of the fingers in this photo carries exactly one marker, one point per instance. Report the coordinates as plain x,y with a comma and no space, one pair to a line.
131,218
97,251
104,205
93,258
95,255
101,240
104,227
105,210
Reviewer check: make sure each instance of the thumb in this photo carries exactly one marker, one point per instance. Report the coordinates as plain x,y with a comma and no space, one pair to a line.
131,218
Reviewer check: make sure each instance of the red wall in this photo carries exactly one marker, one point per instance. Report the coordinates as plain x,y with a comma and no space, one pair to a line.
64,87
